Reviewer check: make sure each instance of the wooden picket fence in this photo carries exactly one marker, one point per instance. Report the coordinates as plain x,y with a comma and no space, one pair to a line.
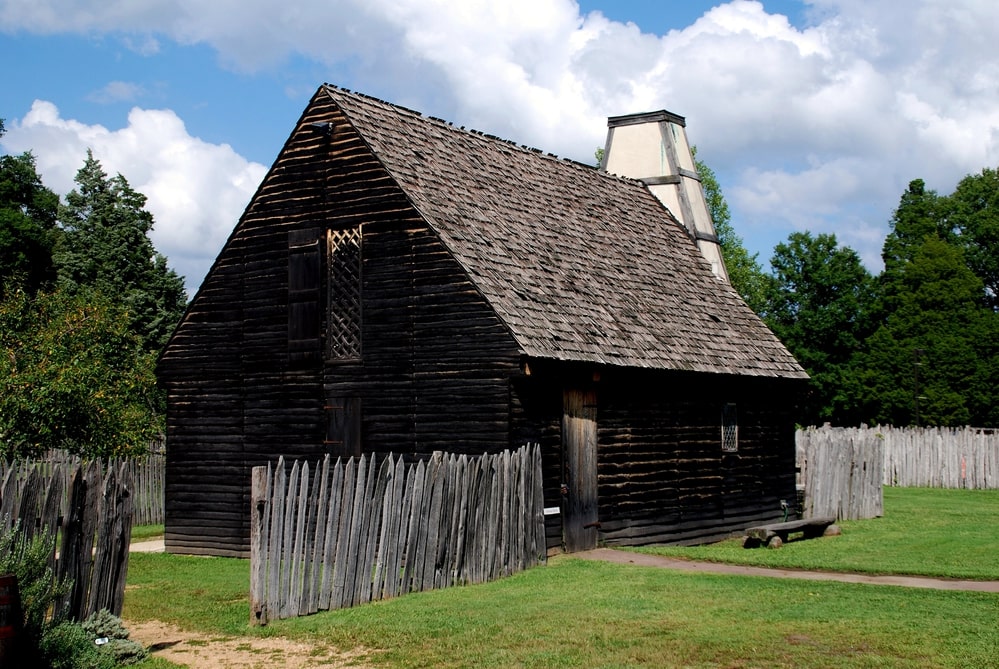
841,471
357,531
940,457
86,511
147,472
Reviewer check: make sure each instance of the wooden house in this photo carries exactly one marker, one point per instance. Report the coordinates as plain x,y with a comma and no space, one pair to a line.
398,284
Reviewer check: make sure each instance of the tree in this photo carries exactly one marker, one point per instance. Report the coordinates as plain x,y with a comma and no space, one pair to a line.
106,250
27,224
73,375
744,270
920,215
819,306
973,211
924,364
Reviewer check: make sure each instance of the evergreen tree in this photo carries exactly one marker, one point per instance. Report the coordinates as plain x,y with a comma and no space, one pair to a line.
27,224
106,250
924,364
819,306
920,215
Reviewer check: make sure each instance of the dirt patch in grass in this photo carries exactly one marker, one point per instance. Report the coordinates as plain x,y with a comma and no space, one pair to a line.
199,651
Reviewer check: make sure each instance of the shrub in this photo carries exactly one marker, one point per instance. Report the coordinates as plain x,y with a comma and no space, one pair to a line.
28,560
69,646
105,625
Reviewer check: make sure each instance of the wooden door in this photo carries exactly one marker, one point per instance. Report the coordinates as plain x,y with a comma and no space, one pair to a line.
343,426
579,469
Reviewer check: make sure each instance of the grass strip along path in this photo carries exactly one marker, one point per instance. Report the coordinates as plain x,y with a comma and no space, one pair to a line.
950,534
578,613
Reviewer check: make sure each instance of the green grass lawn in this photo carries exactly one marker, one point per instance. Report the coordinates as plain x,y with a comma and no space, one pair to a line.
927,532
146,532
575,613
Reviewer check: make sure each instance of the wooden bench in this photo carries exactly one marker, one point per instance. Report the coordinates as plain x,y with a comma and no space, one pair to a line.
776,535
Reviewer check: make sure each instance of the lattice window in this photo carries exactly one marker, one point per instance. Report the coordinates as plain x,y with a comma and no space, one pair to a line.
729,429
343,314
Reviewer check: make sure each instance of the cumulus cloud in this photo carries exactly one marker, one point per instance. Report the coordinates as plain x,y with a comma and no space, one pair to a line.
196,191
817,127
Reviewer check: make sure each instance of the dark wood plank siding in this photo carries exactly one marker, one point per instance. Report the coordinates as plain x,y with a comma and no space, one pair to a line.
436,361
662,474
203,366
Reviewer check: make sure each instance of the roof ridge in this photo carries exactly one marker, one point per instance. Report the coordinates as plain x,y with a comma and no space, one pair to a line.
484,135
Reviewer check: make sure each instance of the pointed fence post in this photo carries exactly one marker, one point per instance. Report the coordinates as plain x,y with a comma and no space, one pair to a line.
258,544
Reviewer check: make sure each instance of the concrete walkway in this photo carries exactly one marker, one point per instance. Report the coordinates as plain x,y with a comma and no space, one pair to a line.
151,546
644,560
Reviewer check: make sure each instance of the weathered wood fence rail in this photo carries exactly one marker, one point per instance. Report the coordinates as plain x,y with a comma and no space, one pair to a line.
147,472
86,511
359,531
843,469
940,457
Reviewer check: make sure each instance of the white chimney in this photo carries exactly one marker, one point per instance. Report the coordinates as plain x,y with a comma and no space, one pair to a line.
653,148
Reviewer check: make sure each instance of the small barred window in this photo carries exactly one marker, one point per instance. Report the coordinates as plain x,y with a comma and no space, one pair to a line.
729,429
343,314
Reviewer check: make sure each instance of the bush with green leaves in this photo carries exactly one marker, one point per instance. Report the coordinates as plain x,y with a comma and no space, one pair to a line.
28,560
48,640
69,646
109,629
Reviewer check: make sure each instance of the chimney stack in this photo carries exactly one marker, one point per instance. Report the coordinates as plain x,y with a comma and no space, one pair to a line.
653,148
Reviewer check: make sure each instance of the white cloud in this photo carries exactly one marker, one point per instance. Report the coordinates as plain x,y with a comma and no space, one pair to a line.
820,127
196,191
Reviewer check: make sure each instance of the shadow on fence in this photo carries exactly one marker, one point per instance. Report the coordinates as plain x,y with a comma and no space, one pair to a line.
86,510
358,533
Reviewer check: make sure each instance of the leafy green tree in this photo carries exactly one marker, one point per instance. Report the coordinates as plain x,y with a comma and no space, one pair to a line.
924,364
974,215
744,270
819,305
27,223
921,214
105,249
73,375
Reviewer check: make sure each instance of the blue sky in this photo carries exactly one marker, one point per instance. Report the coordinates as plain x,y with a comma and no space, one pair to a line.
815,114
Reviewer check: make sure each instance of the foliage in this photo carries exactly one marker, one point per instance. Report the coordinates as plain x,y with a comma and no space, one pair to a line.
68,646
105,625
916,345
744,270
919,215
924,364
819,305
974,216
73,375
28,560
27,224
105,249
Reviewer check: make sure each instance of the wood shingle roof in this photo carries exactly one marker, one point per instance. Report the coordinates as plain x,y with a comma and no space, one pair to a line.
580,265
